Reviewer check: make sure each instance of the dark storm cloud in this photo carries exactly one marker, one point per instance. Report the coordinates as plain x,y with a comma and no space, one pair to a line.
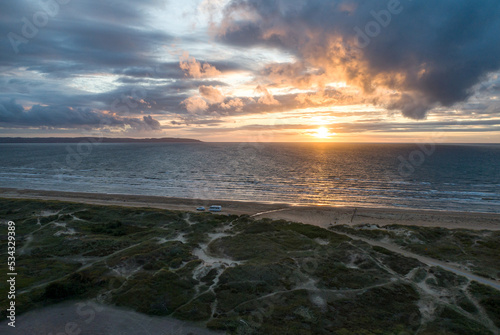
89,38
152,123
434,52
69,47
14,115
83,38
88,32
128,99
130,10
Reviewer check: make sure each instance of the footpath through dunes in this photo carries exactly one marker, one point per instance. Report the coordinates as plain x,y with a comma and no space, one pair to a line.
426,260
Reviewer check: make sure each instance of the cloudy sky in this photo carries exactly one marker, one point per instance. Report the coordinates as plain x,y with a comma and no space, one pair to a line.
252,70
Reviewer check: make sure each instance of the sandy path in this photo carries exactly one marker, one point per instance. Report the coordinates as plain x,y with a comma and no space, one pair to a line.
426,260
86,266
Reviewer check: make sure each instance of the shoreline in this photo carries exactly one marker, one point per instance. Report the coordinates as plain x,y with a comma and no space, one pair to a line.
319,215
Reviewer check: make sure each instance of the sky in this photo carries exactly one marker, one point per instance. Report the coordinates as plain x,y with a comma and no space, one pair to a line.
252,70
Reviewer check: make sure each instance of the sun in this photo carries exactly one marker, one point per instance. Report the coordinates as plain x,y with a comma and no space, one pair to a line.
322,132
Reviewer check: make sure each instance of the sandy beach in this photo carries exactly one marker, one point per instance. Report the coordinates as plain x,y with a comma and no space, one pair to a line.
323,216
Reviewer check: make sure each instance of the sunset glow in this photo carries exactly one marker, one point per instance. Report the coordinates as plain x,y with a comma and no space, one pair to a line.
233,70
323,132
250,166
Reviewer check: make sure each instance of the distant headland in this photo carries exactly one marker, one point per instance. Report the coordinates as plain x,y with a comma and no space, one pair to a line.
95,140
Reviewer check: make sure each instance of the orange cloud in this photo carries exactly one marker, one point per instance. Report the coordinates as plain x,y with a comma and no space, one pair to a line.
211,94
267,98
374,46
236,103
195,105
195,69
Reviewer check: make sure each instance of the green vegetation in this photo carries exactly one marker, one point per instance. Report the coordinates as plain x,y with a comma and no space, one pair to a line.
489,299
450,321
244,276
478,251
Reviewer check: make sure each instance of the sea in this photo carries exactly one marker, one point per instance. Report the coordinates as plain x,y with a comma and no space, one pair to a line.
414,176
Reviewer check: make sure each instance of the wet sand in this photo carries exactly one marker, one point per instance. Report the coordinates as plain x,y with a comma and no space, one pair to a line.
322,216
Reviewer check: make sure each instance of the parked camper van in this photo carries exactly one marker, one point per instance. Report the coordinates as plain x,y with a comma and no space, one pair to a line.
215,208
